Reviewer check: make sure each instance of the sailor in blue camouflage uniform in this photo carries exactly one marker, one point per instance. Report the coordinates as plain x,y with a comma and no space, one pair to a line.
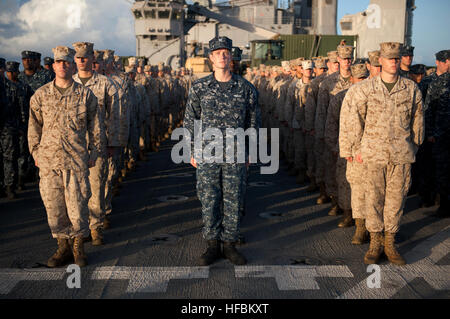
221,100
48,65
424,157
437,131
32,75
407,56
9,135
25,161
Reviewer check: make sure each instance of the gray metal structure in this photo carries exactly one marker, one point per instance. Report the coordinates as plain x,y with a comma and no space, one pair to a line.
170,31
382,21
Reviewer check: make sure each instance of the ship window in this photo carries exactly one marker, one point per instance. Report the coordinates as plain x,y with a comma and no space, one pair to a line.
276,51
346,26
261,50
150,14
138,14
164,14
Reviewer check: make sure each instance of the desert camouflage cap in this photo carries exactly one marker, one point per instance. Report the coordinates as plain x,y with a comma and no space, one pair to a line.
307,64
320,63
417,69
345,51
116,58
130,69
373,58
132,61
141,62
108,56
63,53
285,65
220,43
147,68
390,50
98,56
236,54
262,66
2,63
359,70
161,66
332,56
443,55
407,50
12,66
48,60
83,49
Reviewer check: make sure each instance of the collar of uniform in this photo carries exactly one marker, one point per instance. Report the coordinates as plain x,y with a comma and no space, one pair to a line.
399,85
212,80
55,91
91,81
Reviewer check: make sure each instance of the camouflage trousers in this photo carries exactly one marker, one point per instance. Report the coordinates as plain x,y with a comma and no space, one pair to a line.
299,149
329,160
65,194
9,152
310,159
386,190
319,145
113,174
217,185
97,178
24,162
343,185
356,175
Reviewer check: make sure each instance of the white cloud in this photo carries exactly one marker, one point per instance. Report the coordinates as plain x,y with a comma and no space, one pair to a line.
45,24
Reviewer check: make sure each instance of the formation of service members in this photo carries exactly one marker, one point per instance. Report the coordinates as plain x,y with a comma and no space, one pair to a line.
361,133
84,123
354,130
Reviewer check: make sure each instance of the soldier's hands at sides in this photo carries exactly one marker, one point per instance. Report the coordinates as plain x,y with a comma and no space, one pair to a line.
432,139
359,158
193,162
349,159
91,163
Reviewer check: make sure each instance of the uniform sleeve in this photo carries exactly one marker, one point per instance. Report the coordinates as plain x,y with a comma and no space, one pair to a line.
418,129
253,118
358,117
35,124
96,131
346,132
332,124
192,113
112,115
321,110
430,110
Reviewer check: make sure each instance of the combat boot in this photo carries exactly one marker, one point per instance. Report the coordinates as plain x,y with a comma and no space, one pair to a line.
323,198
97,237
444,207
335,209
106,222
211,254
62,256
78,251
347,219
390,251
375,249
230,253
313,186
10,193
361,236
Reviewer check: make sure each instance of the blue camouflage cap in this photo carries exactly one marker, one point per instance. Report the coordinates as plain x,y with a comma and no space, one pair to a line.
12,66
236,54
220,43
443,55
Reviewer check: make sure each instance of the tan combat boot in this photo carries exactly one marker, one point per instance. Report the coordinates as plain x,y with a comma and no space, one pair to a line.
335,209
62,256
375,249
78,251
323,198
347,219
390,251
361,236
97,236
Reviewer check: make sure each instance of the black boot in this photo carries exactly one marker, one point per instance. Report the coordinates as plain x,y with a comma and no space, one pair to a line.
230,253
444,206
211,254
